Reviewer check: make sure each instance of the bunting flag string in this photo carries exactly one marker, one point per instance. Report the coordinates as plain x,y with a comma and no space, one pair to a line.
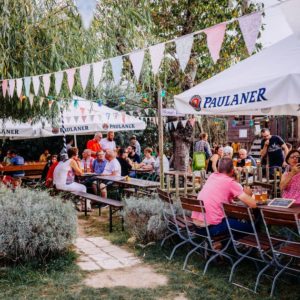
249,24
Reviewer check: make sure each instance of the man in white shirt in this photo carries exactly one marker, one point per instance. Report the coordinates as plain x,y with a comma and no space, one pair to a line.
108,143
112,168
166,164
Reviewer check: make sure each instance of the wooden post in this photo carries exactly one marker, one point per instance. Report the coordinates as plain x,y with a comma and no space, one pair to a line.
177,185
168,183
185,184
160,137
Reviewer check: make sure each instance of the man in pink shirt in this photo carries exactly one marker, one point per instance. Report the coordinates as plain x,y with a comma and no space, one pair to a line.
220,188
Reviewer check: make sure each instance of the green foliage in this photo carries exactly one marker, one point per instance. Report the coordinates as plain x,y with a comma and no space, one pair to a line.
34,225
143,218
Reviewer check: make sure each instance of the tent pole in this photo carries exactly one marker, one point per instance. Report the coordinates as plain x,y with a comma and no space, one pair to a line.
75,140
160,137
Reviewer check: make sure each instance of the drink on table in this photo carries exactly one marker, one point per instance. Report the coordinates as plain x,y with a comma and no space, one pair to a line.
247,163
258,162
264,195
235,161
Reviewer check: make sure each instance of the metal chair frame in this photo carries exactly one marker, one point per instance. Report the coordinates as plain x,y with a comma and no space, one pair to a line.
174,223
204,242
253,242
288,220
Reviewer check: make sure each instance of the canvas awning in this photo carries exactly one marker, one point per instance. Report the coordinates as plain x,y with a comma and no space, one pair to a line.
267,83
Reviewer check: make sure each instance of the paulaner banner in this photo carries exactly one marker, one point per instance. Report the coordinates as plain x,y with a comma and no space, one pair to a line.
267,83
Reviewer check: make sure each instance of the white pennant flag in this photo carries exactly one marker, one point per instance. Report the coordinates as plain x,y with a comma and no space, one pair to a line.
250,25
84,75
36,84
76,118
86,10
184,123
19,86
183,49
27,81
117,65
97,72
59,76
11,87
68,119
156,55
46,82
31,98
92,118
137,59
175,123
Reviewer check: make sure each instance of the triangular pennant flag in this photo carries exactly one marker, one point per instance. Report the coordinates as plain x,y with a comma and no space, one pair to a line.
36,84
183,49
58,81
46,82
146,110
42,101
70,78
215,37
76,118
115,115
250,25
175,123
19,86
11,88
92,118
107,116
27,82
86,11
82,110
4,87
184,122
192,121
156,55
83,118
84,75
117,65
137,59
291,10
31,98
97,72
68,119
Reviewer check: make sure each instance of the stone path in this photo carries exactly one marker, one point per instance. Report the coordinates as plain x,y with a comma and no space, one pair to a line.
96,253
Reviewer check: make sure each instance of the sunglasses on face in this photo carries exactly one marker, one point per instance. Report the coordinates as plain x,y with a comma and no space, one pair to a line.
294,157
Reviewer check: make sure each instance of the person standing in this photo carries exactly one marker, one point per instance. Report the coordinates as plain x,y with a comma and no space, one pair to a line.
44,157
273,148
203,145
108,143
7,158
94,144
134,142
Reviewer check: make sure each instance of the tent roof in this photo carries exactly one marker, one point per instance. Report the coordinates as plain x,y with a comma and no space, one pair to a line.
276,69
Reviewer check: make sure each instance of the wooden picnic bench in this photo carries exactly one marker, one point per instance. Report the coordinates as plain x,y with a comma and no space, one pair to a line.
114,205
29,169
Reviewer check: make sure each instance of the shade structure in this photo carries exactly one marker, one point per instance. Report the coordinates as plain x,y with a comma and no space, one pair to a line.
86,117
267,83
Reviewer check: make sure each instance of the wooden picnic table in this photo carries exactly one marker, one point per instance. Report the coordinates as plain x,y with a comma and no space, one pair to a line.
295,209
39,166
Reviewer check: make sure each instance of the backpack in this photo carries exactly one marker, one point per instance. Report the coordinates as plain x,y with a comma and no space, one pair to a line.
199,161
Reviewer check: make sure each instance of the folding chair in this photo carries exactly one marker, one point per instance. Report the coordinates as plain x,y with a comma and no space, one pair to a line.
174,223
200,237
252,245
287,255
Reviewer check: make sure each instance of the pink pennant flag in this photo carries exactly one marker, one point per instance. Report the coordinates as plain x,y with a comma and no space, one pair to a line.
4,87
250,26
215,36
70,78
192,121
11,88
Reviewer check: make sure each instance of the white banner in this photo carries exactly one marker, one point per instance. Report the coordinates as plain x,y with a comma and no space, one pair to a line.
156,55
183,49
137,59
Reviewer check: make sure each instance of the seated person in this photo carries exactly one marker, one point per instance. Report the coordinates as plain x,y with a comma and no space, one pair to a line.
16,160
228,151
112,168
148,161
213,162
243,155
220,188
126,164
133,156
86,163
99,162
64,174
49,176
166,165
290,180
45,156
7,158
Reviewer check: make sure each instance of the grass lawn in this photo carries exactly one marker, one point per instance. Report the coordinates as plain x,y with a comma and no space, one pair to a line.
60,278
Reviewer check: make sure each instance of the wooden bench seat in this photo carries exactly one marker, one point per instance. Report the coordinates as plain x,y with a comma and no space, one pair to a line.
114,205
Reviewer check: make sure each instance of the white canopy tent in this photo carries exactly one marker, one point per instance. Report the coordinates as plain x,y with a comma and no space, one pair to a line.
267,83
85,117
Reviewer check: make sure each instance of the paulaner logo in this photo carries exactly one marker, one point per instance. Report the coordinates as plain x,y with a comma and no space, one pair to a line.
195,102
231,100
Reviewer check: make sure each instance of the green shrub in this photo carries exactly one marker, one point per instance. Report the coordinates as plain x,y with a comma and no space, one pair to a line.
34,224
144,219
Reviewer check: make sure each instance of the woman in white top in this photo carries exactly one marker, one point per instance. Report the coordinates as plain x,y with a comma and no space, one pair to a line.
64,175
148,161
